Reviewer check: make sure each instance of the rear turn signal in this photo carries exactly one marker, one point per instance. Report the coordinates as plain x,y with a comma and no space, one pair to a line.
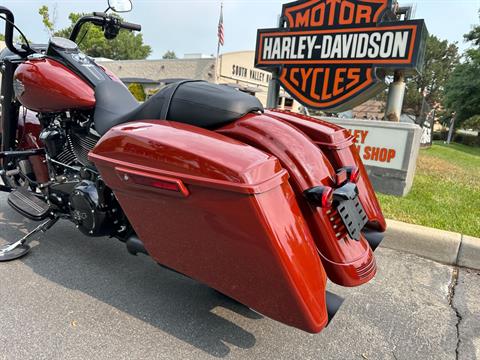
353,174
321,196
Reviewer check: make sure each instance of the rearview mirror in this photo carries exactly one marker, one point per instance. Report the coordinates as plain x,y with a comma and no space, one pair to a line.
120,6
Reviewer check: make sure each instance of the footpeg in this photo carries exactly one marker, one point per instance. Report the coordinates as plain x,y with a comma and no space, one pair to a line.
27,204
21,248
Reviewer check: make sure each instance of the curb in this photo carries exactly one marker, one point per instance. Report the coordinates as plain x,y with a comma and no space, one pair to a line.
441,246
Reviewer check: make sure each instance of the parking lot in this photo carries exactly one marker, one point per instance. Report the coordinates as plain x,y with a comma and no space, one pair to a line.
78,298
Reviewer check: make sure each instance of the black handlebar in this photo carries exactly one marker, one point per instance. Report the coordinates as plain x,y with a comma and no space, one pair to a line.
100,14
96,20
9,28
130,26
101,19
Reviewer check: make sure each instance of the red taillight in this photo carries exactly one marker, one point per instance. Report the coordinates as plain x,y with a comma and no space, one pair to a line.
159,184
165,185
154,181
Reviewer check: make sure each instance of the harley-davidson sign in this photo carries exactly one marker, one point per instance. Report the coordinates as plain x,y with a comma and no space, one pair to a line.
334,54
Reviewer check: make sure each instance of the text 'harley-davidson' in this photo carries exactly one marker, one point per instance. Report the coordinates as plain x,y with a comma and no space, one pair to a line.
261,205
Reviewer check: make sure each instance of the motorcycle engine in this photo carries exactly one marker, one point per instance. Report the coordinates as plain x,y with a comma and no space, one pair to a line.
87,212
77,189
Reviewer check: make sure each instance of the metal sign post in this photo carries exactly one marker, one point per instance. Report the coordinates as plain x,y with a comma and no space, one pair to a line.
274,84
396,94
273,91
451,130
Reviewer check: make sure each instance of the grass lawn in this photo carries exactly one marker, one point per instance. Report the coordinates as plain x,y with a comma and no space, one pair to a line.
446,191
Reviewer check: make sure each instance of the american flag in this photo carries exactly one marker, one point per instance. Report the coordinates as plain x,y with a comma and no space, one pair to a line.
221,33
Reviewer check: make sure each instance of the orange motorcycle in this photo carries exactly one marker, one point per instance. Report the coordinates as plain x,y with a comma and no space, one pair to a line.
261,205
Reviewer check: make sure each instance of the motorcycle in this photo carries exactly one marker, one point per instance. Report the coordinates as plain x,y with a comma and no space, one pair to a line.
260,204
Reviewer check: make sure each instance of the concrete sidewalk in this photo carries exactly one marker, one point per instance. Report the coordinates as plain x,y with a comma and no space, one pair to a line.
79,298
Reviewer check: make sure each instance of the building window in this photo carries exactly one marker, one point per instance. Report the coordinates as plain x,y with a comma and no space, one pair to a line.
288,104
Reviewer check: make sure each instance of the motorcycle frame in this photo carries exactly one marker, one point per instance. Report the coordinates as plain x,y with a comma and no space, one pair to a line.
10,109
19,133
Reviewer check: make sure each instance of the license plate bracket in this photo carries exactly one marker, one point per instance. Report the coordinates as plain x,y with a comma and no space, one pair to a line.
351,210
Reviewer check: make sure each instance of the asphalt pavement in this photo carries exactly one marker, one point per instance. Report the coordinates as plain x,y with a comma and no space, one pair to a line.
74,297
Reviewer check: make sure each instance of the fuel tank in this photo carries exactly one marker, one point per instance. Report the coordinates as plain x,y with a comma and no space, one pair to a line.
46,85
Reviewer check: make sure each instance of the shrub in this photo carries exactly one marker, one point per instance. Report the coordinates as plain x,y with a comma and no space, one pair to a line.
472,123
465,139
137,91
469,140
440,135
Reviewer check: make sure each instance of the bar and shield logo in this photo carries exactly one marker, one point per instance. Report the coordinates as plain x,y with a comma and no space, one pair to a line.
334,54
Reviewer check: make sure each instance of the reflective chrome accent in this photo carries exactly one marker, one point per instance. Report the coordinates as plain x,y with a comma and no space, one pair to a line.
18,88
36,56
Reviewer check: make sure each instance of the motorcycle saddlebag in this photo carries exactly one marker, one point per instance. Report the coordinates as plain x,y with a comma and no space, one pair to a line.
219,211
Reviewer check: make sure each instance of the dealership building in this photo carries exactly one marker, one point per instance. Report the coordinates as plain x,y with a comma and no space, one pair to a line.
234,69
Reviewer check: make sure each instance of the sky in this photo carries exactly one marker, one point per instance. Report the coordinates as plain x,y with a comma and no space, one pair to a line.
190,26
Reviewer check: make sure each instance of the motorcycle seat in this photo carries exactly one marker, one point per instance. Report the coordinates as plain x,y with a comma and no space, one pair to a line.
197,103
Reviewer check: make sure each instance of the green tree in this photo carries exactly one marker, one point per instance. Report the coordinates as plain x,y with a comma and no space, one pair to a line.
474,35
126,46
2,37
170,54
48,22
462,93
441,58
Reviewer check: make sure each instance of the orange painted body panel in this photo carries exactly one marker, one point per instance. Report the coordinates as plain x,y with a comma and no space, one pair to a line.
238,228
49,86
347,262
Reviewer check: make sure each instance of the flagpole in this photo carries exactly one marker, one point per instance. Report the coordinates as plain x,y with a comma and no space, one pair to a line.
217,66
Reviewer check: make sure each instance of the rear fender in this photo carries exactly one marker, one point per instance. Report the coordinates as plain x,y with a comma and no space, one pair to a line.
338,146
347,262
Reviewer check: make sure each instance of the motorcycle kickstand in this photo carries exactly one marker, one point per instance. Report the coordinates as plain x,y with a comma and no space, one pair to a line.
21,248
